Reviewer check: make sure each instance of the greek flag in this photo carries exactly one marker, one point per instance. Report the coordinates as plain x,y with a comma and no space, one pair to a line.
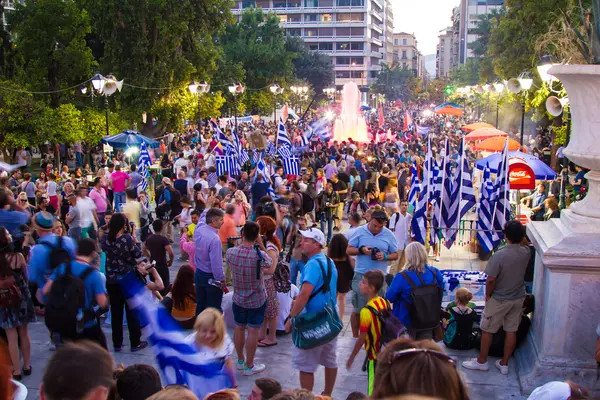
143,163
467,196
282,137
256,156
415,187
319,128
284,152
236,143
436,185
423,130
291,165
261,168
227,163
177,357
419,221
271,151
485,236
501,203
223,139
244,157
450,199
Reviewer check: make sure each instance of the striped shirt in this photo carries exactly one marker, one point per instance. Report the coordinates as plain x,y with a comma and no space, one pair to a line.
372,326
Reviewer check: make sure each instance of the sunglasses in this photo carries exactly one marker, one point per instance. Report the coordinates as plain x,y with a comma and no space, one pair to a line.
435,353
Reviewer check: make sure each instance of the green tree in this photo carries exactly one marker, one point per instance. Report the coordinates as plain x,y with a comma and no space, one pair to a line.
396,83
18,115
311,66
435,90
161,45
49,36
466,74
209,105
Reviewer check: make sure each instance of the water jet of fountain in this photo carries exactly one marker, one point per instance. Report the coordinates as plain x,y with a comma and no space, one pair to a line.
350,123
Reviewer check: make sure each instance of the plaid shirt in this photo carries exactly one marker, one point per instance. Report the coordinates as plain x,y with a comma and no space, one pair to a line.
248,292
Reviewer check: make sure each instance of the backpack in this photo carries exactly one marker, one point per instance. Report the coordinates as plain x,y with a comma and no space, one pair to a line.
66,303
282,277
10,294
459,332
397,215
391,327
58,255
424,311
308,204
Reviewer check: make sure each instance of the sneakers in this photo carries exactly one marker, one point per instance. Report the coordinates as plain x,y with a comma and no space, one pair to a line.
139,347
437,258
475,365
257,368
503,368
240,365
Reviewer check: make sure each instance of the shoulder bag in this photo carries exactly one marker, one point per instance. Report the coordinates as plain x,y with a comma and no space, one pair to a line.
316,329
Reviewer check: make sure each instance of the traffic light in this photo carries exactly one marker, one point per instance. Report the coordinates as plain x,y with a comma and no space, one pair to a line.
448,90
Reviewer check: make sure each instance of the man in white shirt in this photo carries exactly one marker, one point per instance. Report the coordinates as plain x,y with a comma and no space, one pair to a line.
209,159
400,224
181,162
87,212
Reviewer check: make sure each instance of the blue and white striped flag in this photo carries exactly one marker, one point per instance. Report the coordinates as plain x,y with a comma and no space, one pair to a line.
178,358
485,235
434,198
244,157
415,186
271,151
450,200
419,221
144,162
282,137
236,143
291,165
227,145
261,168
467,195
256,156
423,130
321,129
501,197
227,163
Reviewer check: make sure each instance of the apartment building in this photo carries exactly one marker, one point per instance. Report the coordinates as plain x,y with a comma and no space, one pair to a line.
444,54
355,33
466,16
407,54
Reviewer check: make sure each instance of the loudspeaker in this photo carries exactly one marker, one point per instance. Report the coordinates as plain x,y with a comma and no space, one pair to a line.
514,85
555,106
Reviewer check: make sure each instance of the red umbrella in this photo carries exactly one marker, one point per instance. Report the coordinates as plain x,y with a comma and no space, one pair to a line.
485,133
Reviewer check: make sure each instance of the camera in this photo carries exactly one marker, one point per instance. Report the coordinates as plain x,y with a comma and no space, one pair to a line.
374,252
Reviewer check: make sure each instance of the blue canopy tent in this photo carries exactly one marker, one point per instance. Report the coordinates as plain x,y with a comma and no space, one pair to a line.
540,169
365,108
128,139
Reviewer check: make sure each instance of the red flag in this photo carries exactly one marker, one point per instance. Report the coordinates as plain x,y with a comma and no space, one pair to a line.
286,114
381,119
407,120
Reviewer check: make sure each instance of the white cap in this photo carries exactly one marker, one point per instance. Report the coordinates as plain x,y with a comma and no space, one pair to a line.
314,234
552,391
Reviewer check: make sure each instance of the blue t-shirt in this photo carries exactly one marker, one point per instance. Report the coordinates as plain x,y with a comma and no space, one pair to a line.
399,291
39,261
12,220
579,177
94,284
385,241
313,275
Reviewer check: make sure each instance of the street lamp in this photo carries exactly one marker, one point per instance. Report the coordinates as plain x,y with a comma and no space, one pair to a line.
330,92
499,87
275,89
543,67
106,86
235,89
521,85
300,91
198,89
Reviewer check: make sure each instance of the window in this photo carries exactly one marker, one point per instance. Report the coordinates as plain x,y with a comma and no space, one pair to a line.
294,3
404,54
248,4
357,31
342,60
310,17
350,17
282,18
350,3
357,46
279,4
326,46
326,17
342,74
311,32
311,3
325,3
341,32
294,32
342,46
403,42
357,74
313,47
263,4
357,60
326,32
395,42
294,18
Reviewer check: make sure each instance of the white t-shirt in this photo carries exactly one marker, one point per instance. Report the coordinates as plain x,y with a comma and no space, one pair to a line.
285,306
86,208
22,157
209,160
181,162
203,183
399,224
209,354
51,188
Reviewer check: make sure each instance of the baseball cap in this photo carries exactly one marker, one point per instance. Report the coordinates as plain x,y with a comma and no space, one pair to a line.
43,220
314,234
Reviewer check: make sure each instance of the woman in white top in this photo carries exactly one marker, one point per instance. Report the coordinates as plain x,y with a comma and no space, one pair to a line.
51,190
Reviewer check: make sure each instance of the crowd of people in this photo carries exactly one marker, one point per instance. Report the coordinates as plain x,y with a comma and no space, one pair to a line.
248,245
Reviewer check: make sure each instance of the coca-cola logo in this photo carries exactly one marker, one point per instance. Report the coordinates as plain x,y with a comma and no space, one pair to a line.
519,174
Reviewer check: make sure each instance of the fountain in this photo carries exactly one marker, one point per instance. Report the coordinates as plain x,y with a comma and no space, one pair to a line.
350,123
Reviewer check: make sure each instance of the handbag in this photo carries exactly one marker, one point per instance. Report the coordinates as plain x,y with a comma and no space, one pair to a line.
315,329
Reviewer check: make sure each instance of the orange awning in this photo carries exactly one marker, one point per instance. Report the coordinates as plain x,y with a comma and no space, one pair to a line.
497,144
485,133
477,125
450,111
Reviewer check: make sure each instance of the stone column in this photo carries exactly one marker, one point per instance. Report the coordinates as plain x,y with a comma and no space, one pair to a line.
563,337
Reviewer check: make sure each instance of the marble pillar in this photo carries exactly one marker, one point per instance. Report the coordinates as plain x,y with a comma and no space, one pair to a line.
563,337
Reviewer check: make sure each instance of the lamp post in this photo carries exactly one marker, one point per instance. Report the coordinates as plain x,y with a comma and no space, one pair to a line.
235,89
301,92
521,85
275,89
330,92
106,86
198,89
499,86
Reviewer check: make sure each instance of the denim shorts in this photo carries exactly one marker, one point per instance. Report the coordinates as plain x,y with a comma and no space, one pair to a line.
251,317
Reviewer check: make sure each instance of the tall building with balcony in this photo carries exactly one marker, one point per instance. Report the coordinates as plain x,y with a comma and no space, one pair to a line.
466,18
407,54
352,32
445,60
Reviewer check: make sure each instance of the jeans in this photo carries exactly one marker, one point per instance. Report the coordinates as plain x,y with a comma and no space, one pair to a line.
296,267
117,301
206,295
75,233
329,219
119,200
78,158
